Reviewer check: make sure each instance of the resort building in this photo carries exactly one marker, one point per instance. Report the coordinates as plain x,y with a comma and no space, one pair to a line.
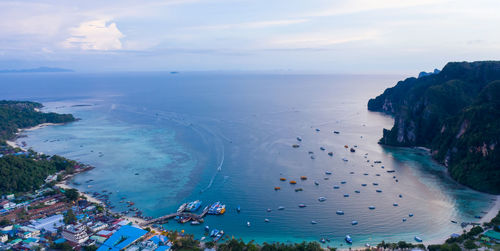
75,234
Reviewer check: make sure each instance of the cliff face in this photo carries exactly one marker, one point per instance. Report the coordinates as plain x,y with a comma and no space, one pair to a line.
455,113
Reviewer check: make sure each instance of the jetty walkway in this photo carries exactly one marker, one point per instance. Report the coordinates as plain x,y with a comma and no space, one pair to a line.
165,218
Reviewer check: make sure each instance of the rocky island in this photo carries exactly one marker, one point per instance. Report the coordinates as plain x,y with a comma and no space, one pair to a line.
456,114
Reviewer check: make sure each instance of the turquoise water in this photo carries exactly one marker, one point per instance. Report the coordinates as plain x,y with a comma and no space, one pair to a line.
160,140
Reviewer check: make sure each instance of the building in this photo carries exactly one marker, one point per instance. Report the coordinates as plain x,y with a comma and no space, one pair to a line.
121,239
98,226
4,238
49,224
75,234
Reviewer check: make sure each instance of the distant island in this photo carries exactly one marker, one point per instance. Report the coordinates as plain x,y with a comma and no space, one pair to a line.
456,114
35,70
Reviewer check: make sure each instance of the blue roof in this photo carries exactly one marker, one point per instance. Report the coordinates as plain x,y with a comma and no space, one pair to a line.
59,241
125,236
158,238
163,248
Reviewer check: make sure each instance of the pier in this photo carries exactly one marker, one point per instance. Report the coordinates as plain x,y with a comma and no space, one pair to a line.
165,218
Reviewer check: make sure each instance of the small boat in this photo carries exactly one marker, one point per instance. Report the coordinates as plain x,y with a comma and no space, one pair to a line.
295,146
207,228
299,139
214,232
314,222
395,204
404,219
317,129
283,179
310,152
281,208
354,223
357,191
346,195
321,199
322,240
378,191
322,148
351,172
293,182
418,239
277,188
203,238
377,162
195,222
340,212
348,239
328,173
330,153
336,132
346,146
344,159
303,177
411,215
377,174
365,174
352,150
298,189
375,184
266,220
312,157
336,187
452,221
238,209
269,210
302,205
218,236
343,182
371,207
400,196
363,185
316,183
248,223
391,171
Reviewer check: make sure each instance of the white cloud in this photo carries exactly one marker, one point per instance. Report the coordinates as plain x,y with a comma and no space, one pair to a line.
252,25
321,40
95,35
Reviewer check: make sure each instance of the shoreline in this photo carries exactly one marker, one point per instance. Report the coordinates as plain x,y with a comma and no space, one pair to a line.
491,213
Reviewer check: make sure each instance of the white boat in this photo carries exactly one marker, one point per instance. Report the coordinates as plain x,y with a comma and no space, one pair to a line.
340,212
321,199
314,222
248,223
418,239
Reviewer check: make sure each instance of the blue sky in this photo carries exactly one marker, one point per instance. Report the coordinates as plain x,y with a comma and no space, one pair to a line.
336,36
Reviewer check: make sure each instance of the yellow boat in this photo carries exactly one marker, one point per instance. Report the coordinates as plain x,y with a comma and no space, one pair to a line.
293,182
277,188
303,177
346,146
282,179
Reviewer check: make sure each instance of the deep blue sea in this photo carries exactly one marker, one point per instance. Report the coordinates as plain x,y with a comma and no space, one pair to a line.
162,139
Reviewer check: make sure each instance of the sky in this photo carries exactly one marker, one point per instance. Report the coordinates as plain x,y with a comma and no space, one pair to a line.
334,36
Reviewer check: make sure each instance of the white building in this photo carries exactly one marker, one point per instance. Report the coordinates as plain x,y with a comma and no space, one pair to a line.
75,234
49,224
4,238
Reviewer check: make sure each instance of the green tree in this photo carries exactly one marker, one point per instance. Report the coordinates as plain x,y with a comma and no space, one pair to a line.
69,217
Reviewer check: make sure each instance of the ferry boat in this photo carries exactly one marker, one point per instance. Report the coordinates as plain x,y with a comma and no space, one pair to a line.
182,208
348,239
217,208
193,206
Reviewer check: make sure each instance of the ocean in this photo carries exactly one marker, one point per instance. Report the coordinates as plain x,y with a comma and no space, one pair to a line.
161,139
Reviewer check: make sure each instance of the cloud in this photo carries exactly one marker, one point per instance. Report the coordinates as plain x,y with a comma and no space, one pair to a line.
95,35
252,25
357,6
320,40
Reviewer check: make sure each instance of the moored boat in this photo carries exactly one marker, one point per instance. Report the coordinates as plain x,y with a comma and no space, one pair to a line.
193,206
348,239
418,239
182,208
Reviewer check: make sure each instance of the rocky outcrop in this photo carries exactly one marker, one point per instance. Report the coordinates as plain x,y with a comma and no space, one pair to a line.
455,113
